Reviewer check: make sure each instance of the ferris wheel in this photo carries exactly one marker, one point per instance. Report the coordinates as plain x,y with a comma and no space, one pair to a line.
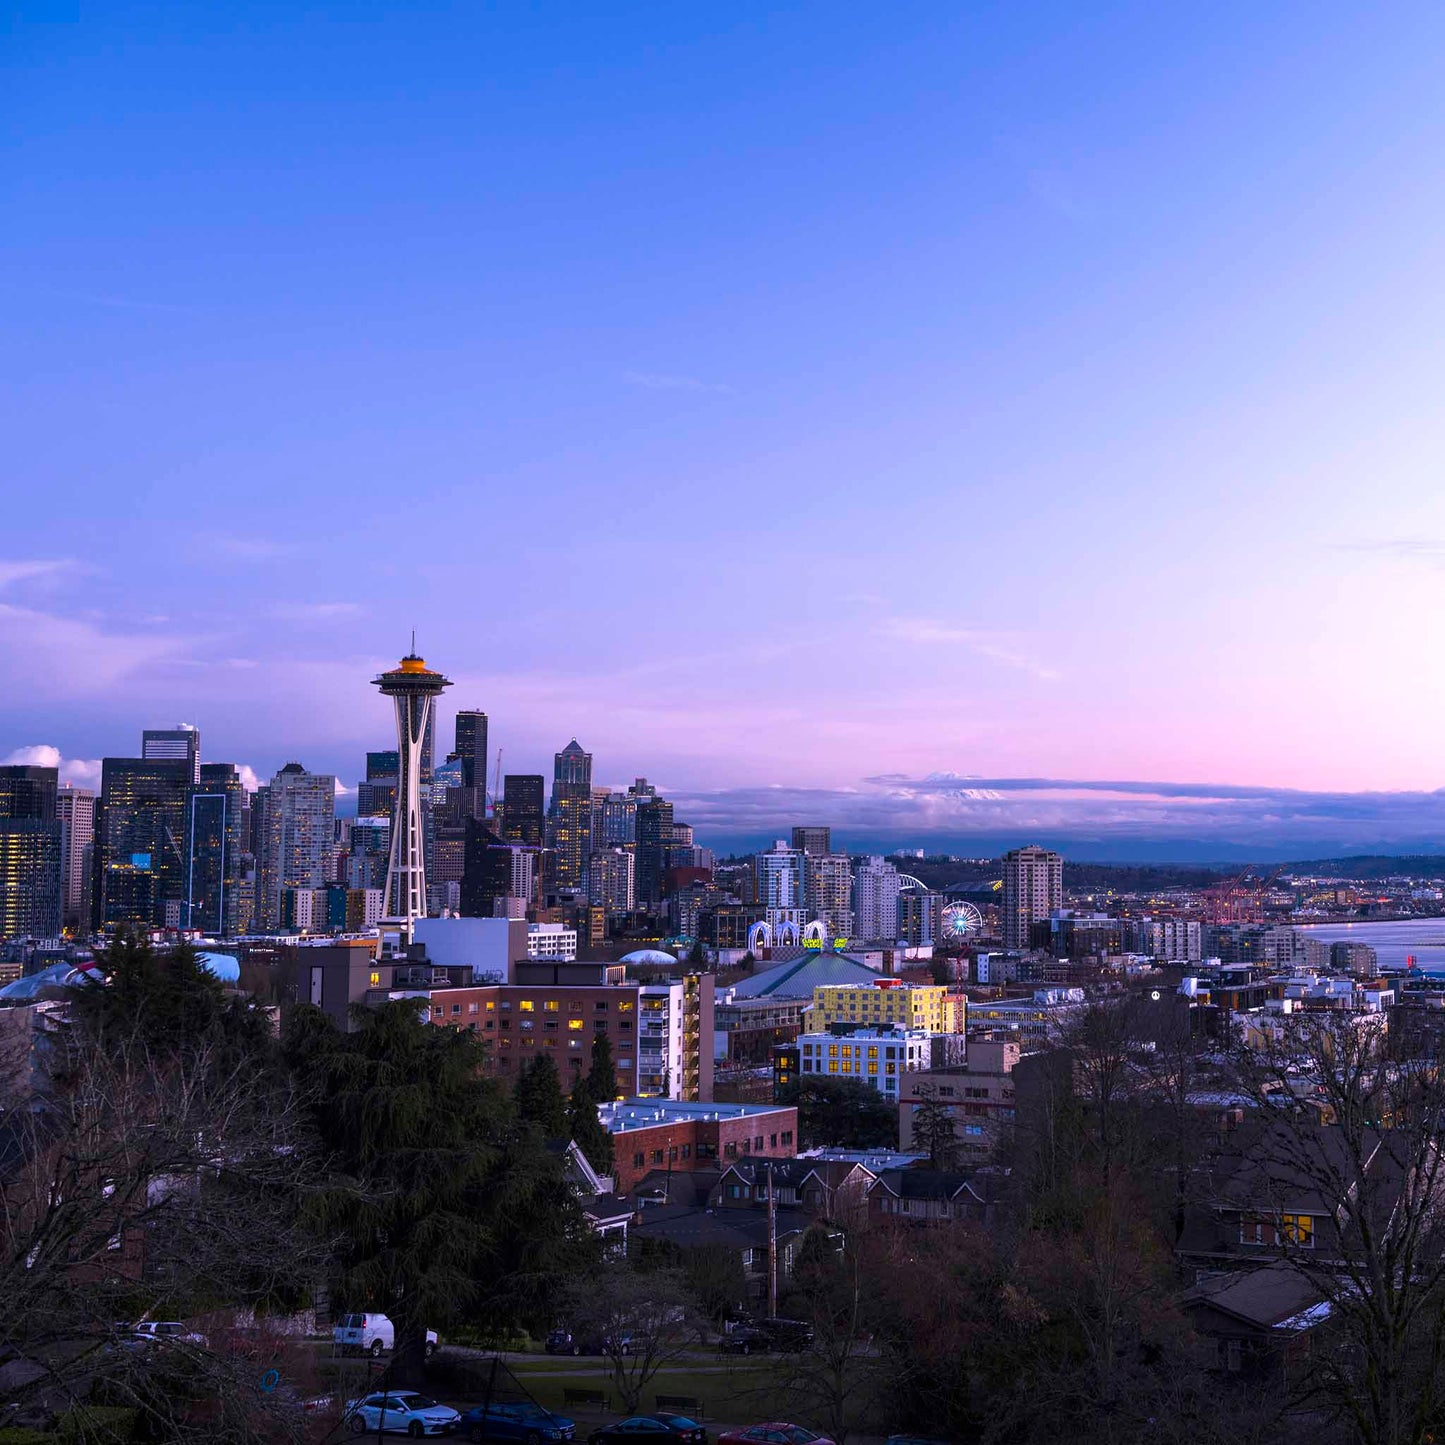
961,921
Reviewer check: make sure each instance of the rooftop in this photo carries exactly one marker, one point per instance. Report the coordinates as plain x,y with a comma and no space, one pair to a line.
648,1113
800,976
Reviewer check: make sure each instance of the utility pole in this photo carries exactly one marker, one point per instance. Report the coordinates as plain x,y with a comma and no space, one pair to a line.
772,1246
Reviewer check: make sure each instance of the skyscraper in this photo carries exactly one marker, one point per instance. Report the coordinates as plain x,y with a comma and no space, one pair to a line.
214,850
571,820
494,871
813,839
29,853
376,796
522,812
829,891
413,688
779,871
75,812
614,820
140,841
654,836
876,886
1033,888
178,744
471,748
298,828
611,881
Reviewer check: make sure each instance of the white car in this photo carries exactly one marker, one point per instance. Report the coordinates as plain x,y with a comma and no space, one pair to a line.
173,1332
403,1411
371,1334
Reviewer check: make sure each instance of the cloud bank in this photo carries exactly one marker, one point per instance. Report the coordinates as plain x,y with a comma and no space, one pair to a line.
1109,818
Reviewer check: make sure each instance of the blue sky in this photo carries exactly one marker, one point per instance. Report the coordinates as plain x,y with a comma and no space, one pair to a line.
778,398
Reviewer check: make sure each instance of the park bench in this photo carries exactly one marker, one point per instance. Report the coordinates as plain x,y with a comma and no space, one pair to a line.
688,1405
575,1395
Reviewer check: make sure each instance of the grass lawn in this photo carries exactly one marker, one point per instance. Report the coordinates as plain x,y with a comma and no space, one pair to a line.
732,1391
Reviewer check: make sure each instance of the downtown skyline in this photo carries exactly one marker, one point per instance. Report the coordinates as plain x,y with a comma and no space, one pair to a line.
1057,410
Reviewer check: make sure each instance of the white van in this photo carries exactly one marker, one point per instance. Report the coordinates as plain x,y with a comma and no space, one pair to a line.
370,1335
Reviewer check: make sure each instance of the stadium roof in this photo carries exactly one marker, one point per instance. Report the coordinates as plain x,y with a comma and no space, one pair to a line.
800,976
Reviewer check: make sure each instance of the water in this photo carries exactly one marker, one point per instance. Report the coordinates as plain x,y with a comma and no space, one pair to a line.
1394,942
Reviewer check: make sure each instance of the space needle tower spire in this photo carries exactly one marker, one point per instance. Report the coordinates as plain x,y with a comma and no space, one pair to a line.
412,686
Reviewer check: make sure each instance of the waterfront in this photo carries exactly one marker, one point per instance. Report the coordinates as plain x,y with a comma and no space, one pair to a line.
1394,942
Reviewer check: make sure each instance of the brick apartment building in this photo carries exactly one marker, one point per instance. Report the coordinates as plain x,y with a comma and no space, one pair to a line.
651,1134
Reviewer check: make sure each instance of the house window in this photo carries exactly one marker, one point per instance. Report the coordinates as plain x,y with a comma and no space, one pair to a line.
638,1161
527,1006
657,1156
574,1023
1298,1229
471,1008
550,1006
375,979
787,1136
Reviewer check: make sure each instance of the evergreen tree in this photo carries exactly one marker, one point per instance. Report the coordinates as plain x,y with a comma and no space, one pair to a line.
442,1208
602,1077
168,1005
933,1131
586,1128
539,1098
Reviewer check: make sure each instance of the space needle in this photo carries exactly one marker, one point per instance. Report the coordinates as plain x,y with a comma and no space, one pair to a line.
411,685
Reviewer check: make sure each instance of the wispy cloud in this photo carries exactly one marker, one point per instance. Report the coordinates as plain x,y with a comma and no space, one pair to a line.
999,647
73,657
667,381
245,549
1429,550
315,611
24,569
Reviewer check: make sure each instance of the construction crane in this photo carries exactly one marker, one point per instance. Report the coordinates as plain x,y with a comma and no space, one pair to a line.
1240,900
497,783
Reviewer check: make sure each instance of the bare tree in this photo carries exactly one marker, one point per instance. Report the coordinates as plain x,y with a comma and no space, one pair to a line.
143,1185
642,1320
1343,1181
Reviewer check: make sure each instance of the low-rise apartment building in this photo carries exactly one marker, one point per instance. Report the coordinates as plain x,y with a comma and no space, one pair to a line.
878,1057
878,1003
676,1135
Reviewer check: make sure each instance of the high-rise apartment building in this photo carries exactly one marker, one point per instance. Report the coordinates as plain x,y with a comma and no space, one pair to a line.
876,887
1033,888
612,881
75,812
297,830
571,816
780,878
523,818
177,744
654,837
29,853
828,890
817,840
140,842
215,851
920,917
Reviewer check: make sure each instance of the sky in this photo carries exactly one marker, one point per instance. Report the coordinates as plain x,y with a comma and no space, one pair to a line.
959,422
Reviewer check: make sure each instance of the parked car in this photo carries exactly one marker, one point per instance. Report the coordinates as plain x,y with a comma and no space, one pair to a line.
775,1432
371,1334
787,1336
526,1422
683,1428
646,1430
402,1411
744,1340
562,1342
173,1332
